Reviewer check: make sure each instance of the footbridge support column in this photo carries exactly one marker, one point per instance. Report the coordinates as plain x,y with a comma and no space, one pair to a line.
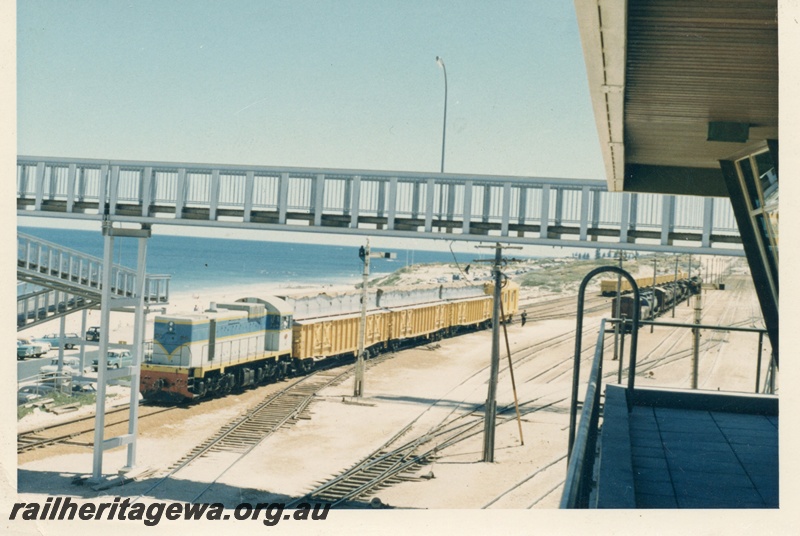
109,300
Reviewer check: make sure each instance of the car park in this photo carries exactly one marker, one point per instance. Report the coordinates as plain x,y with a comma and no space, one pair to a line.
71,340
116,359
71,366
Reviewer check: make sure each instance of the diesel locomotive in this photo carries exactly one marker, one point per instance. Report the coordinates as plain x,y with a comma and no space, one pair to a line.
252,341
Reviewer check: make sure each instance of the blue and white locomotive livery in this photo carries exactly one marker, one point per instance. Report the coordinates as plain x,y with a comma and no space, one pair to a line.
226,346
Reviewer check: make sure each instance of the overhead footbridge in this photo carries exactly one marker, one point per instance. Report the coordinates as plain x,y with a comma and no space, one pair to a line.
452,206
61,281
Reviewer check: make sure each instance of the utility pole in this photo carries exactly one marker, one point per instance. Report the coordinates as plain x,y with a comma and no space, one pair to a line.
675,289
618,308
652,309
364,254
698,309
491,397
690,274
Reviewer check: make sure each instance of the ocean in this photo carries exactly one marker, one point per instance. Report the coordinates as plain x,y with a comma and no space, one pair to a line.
197,264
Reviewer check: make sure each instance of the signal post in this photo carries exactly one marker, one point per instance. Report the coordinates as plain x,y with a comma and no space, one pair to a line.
364,254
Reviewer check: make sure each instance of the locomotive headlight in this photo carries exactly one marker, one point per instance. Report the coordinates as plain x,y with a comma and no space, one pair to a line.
171,326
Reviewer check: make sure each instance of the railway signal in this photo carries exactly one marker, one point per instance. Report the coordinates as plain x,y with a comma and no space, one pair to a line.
364,253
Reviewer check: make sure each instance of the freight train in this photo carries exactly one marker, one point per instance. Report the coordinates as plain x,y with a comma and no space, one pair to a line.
258,340
608,287
655,301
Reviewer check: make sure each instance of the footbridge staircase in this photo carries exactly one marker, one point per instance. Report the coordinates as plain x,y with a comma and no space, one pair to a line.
57,281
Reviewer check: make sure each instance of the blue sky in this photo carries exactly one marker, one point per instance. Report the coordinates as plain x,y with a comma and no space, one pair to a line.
346,84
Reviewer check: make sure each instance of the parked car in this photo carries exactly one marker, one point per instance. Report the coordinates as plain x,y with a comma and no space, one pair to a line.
25,350
93,333
30,348
84,387
29,393
116,359
72,366
70,340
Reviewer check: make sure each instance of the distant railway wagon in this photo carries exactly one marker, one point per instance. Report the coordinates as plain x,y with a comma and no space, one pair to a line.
254,340
665,296
627,307
655,301
608,287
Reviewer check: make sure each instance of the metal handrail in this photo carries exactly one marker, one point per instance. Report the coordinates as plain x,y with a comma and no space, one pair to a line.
577,488
578,340
580,470
82,270
760,331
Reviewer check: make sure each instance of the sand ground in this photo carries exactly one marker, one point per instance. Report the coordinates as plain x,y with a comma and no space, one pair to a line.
423,386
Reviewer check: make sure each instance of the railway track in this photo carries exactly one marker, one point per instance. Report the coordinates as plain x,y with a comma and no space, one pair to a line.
243,434
390,465
69,431
248,430
393,463
676,344
562,307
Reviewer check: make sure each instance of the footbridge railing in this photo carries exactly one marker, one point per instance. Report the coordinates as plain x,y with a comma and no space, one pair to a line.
528,210
72,280
36,305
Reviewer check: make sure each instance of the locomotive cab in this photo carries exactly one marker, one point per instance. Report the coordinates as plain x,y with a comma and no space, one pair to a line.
278,332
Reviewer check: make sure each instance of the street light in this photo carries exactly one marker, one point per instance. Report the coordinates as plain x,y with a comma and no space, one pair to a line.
440,61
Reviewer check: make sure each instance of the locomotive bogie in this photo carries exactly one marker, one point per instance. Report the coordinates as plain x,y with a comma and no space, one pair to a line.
184,383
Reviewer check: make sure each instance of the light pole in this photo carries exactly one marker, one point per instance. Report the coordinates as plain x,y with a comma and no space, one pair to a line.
440,61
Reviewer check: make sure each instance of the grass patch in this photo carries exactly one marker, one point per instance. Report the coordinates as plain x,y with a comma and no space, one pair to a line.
391,279
59,399
555,276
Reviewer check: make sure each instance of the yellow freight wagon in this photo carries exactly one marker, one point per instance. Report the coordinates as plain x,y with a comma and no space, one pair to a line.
331,336
510,298
470,312
417,321
509,295
609,286
318,338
